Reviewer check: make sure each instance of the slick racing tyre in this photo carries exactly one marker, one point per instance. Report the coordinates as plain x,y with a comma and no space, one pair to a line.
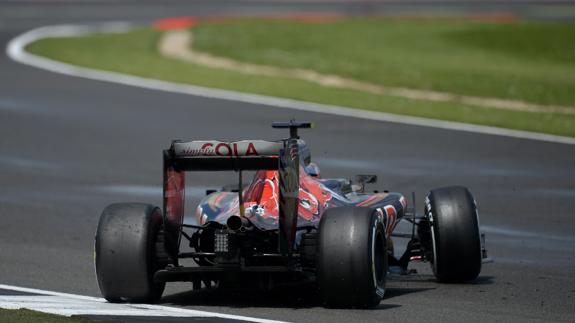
455,237
352,257
125,253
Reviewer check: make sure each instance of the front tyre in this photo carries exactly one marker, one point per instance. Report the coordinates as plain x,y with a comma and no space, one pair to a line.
352,257
125,253
454,230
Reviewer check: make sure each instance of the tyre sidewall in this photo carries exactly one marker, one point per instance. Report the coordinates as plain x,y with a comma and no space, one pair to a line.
125,252
346,257
455,234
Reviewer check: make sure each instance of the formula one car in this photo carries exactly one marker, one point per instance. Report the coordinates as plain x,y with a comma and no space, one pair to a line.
287,225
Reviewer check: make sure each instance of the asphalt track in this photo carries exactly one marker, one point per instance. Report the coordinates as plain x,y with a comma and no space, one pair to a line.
69,147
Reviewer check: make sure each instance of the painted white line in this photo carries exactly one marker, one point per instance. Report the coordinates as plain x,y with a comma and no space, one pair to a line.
16,51
71,304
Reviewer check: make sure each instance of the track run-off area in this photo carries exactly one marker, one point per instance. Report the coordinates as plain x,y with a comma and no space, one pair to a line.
72,145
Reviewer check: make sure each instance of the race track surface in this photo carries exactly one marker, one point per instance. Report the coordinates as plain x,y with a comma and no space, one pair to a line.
69,147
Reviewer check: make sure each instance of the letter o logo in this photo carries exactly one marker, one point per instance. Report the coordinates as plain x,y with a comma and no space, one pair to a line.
219,150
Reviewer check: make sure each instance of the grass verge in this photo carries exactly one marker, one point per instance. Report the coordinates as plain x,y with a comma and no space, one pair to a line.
524,61
28,316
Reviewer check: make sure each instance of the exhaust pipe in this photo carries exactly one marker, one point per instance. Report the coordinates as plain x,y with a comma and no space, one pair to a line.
236,223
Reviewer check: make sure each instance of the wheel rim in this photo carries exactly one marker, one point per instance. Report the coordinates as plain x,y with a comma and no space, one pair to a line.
429,213
378,260
433,244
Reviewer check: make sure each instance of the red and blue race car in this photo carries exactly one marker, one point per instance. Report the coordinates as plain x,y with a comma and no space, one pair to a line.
287,225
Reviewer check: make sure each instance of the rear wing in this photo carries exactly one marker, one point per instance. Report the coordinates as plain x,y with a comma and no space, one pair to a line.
213,155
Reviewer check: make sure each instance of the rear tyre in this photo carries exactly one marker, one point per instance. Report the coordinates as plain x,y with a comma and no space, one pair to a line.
125,253
308,250
454,231
352,257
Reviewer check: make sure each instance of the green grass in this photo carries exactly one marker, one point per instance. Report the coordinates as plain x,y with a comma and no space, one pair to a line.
28,316
525,61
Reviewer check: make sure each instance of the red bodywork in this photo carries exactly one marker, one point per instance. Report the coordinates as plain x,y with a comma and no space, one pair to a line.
261,202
